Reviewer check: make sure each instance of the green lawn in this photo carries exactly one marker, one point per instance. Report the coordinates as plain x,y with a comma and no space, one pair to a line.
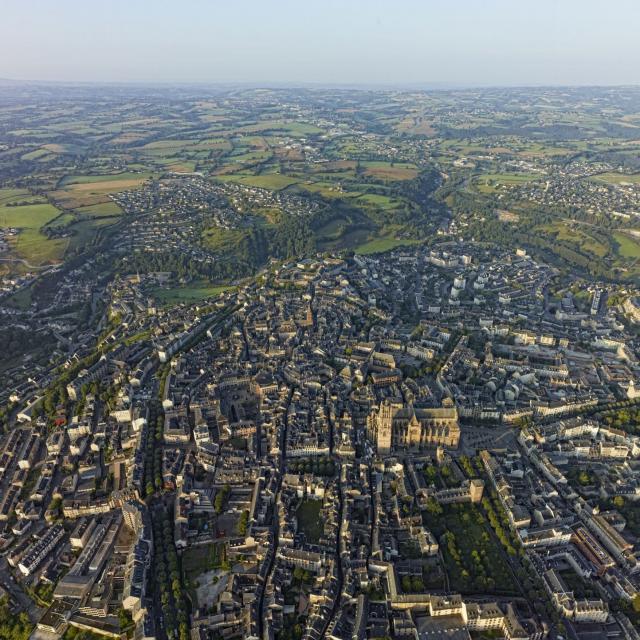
627,246
379,245
309,522
188,293
201,558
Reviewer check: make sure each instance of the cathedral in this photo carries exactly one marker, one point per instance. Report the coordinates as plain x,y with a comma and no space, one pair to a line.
395,426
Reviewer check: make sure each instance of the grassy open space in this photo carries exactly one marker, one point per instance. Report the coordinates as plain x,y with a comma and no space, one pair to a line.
31,216
417,125
327,190
86,191
586,240
309,522
293,128
108,177
390,170
100,209
473,559
379,201
21,299
84,231
37,154
379,245
271,181
107,186
491,182
617,178
37,249
188,293
30,244
18,196
627,246
201,558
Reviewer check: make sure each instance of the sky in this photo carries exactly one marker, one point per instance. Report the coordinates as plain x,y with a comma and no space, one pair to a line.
353,42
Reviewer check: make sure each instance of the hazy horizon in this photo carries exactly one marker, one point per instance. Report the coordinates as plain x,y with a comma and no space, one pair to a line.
401,44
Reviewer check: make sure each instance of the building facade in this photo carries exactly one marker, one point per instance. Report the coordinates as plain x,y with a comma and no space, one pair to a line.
395,426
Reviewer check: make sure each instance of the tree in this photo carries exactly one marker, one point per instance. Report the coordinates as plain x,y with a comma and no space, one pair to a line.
434,507
221,498
243,522
430,474
124,619
583,478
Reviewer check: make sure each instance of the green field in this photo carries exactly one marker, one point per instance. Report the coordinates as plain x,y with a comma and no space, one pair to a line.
100,209
85,231
36,155
327,190
379,201
15,196
390,170
627,246
579,236
37,249
293,128
21,299
108,177
188,293
309,522
617,178
491,182
30,244
271,181
379,245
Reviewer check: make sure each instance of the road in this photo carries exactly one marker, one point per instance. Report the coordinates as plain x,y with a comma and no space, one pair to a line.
338,560
276,523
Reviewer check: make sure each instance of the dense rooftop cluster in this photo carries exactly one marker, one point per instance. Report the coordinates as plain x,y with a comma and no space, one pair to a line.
436,440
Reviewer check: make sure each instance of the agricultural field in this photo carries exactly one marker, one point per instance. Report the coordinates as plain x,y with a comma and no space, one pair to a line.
271,181
109,179
492,182
390,170
617,178
27,214
385,160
